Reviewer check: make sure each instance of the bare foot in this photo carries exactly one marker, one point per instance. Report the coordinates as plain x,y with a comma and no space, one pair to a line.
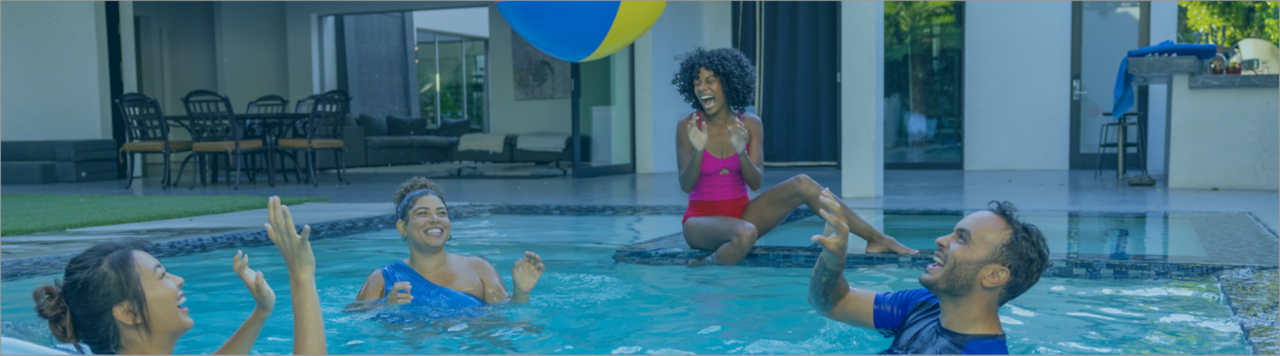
889,245
701,261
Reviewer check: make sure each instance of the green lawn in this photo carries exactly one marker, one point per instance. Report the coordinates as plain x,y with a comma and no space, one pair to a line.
28,213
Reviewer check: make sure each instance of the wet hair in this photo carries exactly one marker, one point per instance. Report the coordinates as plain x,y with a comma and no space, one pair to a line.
79,307
1026,253
410,191
737,76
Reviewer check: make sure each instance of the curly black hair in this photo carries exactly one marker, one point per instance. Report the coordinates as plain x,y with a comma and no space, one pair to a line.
737,76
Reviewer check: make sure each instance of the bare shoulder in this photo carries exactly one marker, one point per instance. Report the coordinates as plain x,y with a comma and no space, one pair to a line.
752,120
374,278
685,120
476,263
373,286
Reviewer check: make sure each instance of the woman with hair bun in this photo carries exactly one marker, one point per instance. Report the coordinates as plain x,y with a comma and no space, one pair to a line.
119,299
430,276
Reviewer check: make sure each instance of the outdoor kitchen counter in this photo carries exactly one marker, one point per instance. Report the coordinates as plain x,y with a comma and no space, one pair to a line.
1223,130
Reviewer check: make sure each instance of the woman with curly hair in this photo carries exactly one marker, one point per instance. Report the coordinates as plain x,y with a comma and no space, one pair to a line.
720,153
119,299
432,277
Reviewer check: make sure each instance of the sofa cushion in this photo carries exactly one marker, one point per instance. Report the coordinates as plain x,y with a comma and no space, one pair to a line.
387,141
406,126
433,141
373,125
454,127
383,142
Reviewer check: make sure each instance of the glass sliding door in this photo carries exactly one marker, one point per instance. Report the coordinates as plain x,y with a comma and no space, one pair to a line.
924,85
452,72
603,115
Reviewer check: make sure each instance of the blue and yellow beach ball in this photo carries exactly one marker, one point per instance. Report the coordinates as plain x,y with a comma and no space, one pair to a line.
580,31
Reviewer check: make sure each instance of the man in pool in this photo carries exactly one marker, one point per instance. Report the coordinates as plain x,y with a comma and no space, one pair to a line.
989,258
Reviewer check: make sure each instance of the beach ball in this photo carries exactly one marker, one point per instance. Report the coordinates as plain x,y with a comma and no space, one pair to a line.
580,31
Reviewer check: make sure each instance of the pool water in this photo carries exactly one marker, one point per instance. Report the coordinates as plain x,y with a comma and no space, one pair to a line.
587,304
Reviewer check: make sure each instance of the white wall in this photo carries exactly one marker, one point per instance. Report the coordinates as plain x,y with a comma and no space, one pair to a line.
55,82
1207,152
249,41
473,21
1017,85
1164,26
506,115
683,27
862,90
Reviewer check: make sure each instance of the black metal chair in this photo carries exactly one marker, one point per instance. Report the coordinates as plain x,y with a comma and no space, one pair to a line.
270,104
297,131
146,131
216,131
1105,130
323,132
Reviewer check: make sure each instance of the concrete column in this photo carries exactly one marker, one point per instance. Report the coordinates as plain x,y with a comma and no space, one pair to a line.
1164,26
862,99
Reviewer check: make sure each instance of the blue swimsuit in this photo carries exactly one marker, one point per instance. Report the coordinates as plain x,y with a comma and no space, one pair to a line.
424,292
430,301
911,318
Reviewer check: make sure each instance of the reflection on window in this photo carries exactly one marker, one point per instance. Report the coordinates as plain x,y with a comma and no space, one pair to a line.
924,49
451,77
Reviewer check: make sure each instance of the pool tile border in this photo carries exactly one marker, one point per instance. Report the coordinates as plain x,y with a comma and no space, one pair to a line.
806,257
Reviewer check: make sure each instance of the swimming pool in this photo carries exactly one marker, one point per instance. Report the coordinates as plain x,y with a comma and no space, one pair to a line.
587,304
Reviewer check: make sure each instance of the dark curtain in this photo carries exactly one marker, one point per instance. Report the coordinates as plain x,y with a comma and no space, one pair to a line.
801,109
744,28
376,71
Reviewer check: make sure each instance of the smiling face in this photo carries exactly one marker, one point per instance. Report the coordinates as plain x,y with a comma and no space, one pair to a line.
965,257
427,224
709,91
163,290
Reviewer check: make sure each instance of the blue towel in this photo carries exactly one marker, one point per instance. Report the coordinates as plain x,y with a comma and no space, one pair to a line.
1124,80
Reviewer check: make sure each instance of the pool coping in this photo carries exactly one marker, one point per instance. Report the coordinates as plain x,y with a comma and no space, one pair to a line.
1260,335
11,269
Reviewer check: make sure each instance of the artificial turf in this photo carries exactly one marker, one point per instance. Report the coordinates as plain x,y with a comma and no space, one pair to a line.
22,214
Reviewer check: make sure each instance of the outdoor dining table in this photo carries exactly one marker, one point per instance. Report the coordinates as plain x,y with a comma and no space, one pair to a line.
274,125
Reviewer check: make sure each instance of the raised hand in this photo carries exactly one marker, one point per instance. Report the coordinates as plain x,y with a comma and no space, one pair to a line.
294,247
739,136
697,136
400,294
255,282
836,244
526,272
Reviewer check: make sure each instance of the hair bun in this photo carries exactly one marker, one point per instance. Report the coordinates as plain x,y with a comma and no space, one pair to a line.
412,185
51,306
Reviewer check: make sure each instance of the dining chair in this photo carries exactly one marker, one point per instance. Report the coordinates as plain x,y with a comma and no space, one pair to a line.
146,131
216,131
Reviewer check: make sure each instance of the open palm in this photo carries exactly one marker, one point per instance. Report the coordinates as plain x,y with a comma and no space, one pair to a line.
526,272
838,242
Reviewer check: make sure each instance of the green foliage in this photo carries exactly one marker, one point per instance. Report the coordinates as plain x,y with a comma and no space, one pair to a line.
918,23
1240,20
923,44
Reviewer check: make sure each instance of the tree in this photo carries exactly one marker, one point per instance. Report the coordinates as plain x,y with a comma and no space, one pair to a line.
1239,19
911,30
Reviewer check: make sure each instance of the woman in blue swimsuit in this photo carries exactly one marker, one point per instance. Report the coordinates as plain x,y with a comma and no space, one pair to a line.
432,277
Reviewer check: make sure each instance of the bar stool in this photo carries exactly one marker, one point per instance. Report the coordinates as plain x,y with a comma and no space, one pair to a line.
1121,141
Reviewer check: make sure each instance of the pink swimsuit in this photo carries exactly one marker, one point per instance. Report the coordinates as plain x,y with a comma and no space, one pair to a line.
718,194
